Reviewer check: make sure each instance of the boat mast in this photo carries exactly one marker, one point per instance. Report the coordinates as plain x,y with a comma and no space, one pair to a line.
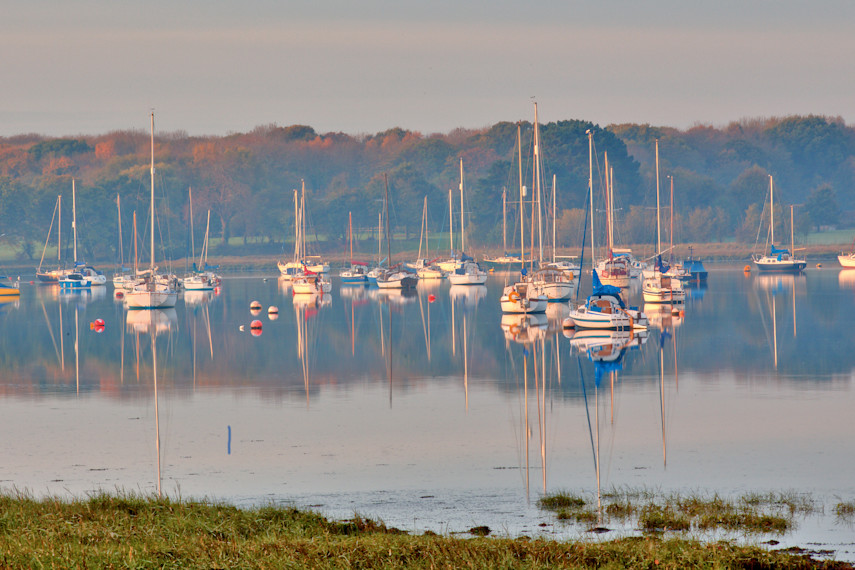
59,230
671,220
537,176
772,208
554,212
203,258
303,219
658,223
152,199
74,214
450,222
350,234
462,232
388,234
504,221
608,203
296,227
522,195
792,236
121,247
192,237
591,188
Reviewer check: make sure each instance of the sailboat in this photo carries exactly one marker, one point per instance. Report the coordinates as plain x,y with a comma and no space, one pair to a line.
83,275
524,296
778,259
551,278
425,267
395,277
467,272
661,287
604,308
152,293
54,275
356,274
616,268
121,278
202,278
314,263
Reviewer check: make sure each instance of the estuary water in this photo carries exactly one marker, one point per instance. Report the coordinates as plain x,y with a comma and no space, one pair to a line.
432,411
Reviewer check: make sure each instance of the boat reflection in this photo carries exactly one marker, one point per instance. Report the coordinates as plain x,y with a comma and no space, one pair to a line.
471,295
778,281
524,329
846,278
311,301
198,297
153,322
662,316
402,296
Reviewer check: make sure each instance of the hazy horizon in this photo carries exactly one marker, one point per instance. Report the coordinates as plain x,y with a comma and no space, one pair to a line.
216,68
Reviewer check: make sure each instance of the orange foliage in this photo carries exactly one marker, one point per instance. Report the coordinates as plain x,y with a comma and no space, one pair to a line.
105,150
59,165
13,161
203,152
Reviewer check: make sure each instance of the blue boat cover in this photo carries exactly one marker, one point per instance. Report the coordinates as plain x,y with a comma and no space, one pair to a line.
600,289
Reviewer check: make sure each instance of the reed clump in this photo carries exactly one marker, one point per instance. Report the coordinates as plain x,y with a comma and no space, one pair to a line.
656,512
129,531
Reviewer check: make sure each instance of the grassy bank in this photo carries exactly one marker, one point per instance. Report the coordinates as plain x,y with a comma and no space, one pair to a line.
106,531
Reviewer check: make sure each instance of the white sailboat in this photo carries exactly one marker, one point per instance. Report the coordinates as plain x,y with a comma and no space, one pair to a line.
467,271
289,269
203,277
604,308
424,266
52,276
661,287
82,276
615,269
152,293
778,259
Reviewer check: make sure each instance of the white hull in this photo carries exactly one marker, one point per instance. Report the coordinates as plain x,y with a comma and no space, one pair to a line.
557,291
468,278
523,299
846,260
430,273
157,299
663,289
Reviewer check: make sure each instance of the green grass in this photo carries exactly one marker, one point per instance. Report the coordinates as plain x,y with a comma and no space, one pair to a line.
753,513
130,531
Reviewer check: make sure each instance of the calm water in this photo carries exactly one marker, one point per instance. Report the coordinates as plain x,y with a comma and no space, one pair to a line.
433,411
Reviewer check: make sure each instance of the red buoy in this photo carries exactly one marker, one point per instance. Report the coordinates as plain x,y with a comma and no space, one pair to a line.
431,298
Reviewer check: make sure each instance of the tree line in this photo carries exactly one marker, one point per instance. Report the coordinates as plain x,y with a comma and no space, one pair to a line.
720,182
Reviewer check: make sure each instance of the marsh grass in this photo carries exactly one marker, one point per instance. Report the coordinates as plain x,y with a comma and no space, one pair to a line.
845,510
653,511
129,531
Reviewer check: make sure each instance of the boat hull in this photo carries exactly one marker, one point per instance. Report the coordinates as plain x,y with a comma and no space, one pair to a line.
157,299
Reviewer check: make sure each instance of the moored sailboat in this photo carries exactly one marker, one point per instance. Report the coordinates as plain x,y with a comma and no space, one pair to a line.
152,293
778,259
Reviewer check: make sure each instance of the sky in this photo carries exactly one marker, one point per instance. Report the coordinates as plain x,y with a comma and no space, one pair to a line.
215,67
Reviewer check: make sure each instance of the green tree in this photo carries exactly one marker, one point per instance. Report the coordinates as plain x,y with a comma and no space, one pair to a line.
822,206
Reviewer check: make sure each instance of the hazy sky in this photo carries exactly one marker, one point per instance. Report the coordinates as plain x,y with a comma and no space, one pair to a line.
363,66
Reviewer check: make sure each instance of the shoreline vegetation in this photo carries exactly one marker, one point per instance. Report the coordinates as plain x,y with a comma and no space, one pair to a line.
249,257
134,531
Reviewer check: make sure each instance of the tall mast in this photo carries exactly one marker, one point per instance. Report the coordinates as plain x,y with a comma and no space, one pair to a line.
136,253
296,227
462,232
350,234
504,221
303,219
554,212
388,234
192,237
522,195
591,188
450,221
608,203
658,223
152,197
203,259
671,220
121,247
74,215
771,201
792,236
59,230
379,236
537,184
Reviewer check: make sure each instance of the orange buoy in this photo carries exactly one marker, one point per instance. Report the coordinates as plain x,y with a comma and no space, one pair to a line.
747,269
818,265
255,327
